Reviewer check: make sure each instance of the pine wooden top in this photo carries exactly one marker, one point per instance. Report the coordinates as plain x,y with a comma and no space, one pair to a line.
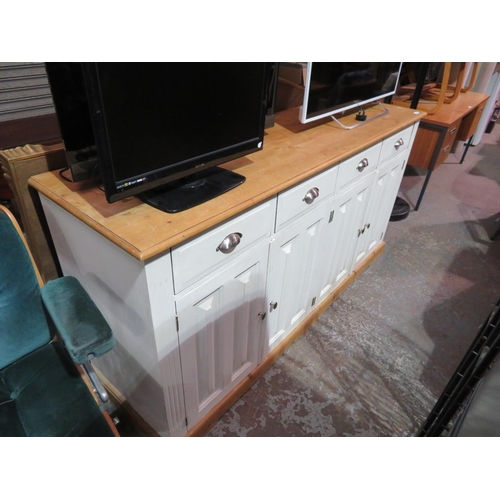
292,152
450,113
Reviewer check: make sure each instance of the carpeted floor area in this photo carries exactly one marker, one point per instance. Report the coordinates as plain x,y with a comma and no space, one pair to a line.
377,360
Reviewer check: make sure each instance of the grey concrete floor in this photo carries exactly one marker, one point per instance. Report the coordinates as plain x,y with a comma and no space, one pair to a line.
378,359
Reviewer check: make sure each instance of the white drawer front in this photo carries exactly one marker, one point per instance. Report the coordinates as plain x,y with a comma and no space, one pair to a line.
205,253
304,197
396,144
358,166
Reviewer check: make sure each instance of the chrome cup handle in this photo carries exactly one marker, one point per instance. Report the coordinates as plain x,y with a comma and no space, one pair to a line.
229,243
362,164
311,195
399,143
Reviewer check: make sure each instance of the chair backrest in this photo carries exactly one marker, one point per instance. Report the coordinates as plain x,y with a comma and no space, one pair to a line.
23,325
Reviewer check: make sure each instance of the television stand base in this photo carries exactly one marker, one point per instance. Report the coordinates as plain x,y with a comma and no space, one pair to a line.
193,190
363,120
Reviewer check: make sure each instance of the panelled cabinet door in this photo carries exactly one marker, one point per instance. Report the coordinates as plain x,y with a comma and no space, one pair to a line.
362,220
221,331
346,213
383,197
293,273
342,234
338,241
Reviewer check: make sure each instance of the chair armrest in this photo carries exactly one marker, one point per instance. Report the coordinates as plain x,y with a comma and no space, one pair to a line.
80,324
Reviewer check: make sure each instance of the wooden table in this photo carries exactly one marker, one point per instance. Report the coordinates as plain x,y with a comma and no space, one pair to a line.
437,133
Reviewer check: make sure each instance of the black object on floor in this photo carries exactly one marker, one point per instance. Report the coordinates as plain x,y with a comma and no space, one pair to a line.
469,405
400,211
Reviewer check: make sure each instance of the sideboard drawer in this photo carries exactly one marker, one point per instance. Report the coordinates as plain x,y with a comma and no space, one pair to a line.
358,166
395,144
304,197
205,253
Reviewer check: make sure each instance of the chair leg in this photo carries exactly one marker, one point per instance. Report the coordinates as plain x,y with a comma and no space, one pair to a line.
96,383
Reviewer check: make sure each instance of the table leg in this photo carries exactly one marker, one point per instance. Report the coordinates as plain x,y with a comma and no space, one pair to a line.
422,191
467,145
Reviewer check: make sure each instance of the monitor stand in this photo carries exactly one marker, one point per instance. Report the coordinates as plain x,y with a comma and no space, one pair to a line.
364,120
193,190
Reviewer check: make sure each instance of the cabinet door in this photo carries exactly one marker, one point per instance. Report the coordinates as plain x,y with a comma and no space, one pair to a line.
383,197
361,223
220,331
345,217
293,273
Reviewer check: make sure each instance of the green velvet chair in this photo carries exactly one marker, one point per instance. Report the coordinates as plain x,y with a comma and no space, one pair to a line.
46,332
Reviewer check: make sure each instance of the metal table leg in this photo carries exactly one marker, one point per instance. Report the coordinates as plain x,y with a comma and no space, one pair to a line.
467,145
422,191
432,163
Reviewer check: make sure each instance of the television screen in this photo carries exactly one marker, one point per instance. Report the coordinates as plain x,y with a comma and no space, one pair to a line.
159,122
73,114
334,87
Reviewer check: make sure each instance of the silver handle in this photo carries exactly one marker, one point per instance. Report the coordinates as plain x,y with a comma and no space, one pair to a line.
362,164
399,143
453,130
273,306
229,243
445,150
311,195
363,229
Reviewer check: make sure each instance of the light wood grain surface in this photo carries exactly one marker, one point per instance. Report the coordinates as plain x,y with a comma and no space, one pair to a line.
292,152
449,113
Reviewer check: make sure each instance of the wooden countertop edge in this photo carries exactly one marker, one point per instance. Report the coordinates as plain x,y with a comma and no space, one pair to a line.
218,217
164,245
251,202
444,117
86,219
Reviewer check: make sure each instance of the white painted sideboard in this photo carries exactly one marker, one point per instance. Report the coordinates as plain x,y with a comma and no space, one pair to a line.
192,322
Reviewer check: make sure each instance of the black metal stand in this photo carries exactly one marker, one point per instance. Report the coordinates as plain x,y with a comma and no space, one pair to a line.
424,187
422,73
467,146
470,371
433,160
193,190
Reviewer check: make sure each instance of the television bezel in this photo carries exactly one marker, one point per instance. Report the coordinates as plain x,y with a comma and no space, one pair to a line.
303,116
169,173
73,115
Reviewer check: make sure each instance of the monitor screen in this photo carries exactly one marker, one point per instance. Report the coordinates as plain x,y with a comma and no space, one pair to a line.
334,87
156,122
73,114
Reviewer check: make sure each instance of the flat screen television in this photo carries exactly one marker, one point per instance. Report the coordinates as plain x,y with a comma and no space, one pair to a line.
73,115
335,87
162,129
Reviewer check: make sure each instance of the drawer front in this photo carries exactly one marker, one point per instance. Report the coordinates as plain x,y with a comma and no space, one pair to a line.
304,197
469,123
207,252
449,139
395,144
358,166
